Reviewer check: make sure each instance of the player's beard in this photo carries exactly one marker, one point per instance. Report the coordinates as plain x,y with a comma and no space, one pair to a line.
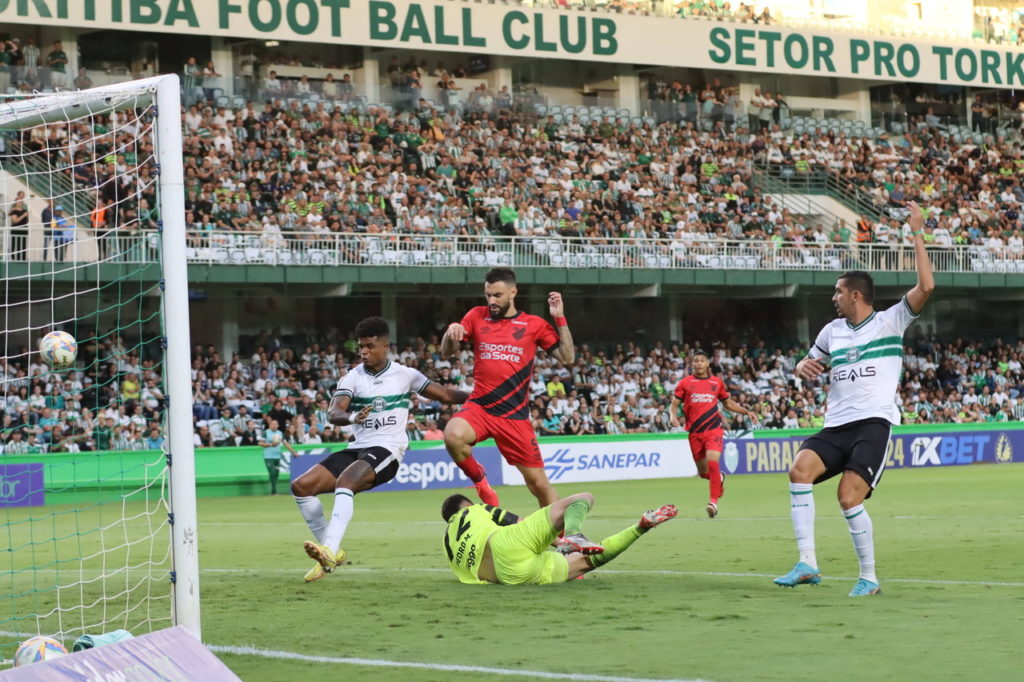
497,311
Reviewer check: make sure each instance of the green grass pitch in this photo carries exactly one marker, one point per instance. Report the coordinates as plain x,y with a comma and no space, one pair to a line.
691,600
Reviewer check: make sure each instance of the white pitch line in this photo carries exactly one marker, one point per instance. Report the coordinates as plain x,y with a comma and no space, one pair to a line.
604,571
612,571
439,524
718,520
8,633
378,663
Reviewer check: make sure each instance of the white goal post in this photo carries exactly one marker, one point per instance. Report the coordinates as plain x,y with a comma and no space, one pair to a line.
160,97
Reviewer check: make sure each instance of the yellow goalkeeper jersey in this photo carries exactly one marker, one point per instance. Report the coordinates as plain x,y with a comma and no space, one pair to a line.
467,535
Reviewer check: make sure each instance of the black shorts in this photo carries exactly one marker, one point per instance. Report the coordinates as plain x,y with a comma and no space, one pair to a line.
859,446
384,462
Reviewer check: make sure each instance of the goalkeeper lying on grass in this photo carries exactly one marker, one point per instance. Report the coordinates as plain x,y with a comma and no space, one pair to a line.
485,544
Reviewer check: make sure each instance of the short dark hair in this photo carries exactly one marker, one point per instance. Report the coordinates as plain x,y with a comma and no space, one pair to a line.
372,326
452,504
861,281
699,351
506,275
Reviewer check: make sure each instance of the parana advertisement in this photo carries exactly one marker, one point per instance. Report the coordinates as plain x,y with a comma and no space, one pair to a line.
906,450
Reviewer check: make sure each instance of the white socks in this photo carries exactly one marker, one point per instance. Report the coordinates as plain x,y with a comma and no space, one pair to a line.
342,514
313,512
801,502
863,540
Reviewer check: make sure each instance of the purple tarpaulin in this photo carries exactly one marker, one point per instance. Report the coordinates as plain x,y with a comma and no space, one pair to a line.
173,655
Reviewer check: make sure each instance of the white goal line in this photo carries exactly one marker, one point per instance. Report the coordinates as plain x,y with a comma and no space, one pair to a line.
379,663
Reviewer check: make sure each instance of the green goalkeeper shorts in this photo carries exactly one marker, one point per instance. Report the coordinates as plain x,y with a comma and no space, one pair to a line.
522,552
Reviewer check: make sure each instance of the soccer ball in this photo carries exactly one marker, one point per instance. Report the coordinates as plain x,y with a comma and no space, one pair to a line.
58,350
276,440
39,648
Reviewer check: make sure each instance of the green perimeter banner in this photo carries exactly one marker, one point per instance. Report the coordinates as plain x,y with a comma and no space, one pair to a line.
221,472
532,32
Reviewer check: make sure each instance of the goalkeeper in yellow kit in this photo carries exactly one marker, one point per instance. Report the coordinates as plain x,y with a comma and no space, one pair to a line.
486,544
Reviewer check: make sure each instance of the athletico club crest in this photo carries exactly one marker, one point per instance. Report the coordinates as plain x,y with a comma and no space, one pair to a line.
518,333
852,354
1004,449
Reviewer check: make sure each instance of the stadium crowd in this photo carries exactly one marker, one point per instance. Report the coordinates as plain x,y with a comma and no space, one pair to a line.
300,170
622,388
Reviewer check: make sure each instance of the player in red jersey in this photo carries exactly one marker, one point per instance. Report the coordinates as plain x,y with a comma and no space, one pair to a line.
505,341
699,394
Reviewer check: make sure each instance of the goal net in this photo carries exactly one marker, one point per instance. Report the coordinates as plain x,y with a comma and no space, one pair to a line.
97,496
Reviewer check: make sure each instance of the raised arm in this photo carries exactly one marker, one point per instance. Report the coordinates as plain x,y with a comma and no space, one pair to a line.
918,296
452,338
339,415
566,351
444,394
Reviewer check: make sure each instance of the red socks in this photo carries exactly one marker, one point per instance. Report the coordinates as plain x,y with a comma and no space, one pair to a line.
714,480
472,469
475,473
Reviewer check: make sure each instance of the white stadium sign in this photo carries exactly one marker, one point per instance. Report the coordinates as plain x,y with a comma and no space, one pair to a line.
533,32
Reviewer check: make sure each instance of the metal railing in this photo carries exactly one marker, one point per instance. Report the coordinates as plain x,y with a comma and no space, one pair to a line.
779,179
414,251
34,169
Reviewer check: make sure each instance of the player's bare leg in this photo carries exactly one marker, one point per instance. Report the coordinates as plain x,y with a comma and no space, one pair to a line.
459,438
806,469
853,490
537,481
620,542
716,481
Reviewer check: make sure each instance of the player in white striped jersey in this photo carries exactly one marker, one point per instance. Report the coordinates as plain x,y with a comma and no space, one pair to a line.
863,354
377,392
